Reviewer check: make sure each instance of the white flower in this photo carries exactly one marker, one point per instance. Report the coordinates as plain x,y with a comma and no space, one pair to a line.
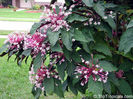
85,72
85,76
97,66
87,62
37,77
82,84
95,72
104,81
111,12
105,17
95,23
99,23
91,19
101,70
99,79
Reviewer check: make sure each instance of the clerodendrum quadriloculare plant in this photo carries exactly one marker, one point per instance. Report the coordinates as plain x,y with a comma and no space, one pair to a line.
88,44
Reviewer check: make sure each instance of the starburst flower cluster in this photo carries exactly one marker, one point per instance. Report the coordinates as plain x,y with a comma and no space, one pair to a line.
84,72
35,42
15,39
41,75
56,18
58,57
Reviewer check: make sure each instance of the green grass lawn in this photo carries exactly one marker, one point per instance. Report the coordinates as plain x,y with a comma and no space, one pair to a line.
9,15
5,32
14,82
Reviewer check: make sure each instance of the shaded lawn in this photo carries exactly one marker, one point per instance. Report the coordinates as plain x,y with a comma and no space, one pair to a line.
5,12
5,32
14,82
9,15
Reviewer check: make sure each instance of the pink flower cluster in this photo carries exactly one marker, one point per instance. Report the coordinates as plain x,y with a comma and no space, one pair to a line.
15,39
35,42
58,57
119,74
56,20
89,69
42,73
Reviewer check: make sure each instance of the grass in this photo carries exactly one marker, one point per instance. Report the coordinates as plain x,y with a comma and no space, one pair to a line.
7,14
5,32
14,82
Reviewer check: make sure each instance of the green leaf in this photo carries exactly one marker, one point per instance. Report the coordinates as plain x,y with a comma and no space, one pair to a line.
130,24
98,56
49,85
4,47
85,55
37,62
67,54
72,87
95,87
126,41
89,3
61,69
58,88
85,47
124,87
36,92
70,68
76,57
65,85
57,9
53,37
111,22
88,33
110,5
107,66
103,48
35,26
53,1
129,76
126,65
76,17
68,2
79,36
99,8
106,28
57,48
67,39
113,79
107,87
26,52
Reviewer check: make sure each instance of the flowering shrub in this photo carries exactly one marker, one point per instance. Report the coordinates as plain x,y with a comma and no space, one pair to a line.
84,46
90,70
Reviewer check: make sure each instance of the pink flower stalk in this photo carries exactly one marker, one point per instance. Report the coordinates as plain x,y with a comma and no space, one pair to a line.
88,69
58,57
56,20
114,33
42,74
15,39
35,42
